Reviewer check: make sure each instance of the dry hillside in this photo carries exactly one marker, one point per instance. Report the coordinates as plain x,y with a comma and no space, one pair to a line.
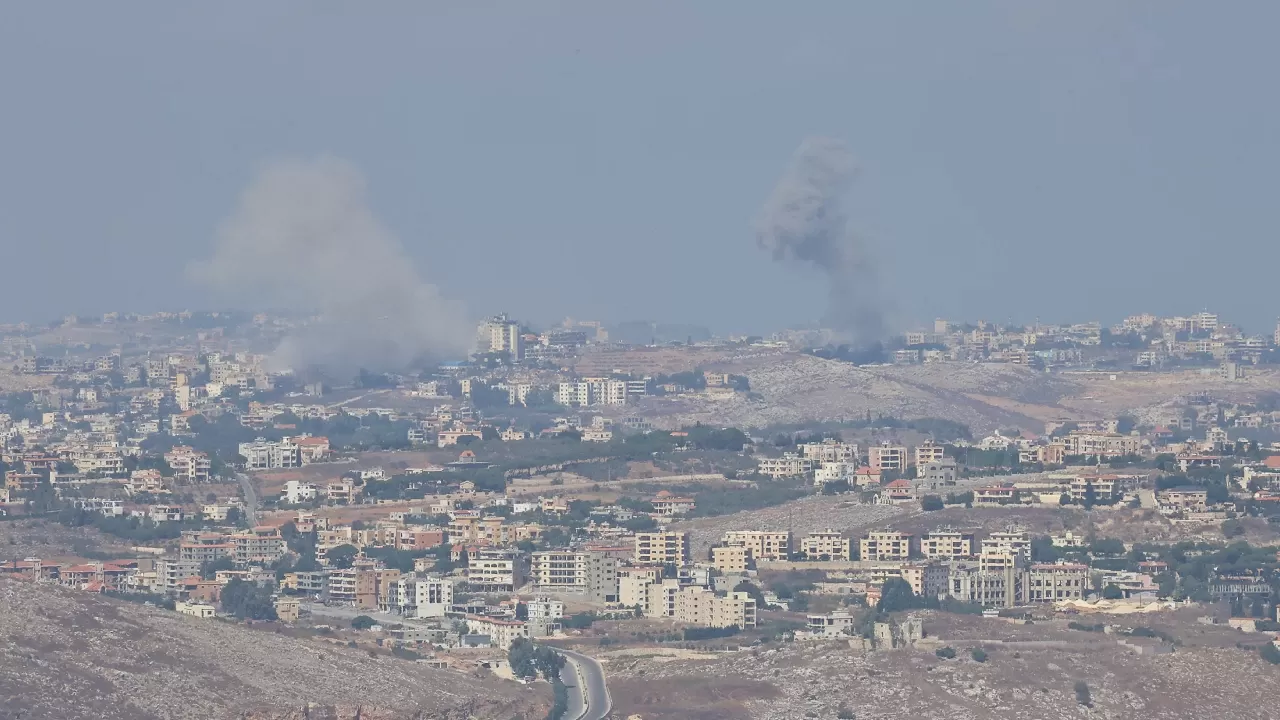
67,654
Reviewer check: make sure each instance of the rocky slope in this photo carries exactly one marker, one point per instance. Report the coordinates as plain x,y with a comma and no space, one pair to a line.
67,654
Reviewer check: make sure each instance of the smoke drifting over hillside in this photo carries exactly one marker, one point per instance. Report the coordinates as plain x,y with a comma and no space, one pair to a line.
303,237
802,221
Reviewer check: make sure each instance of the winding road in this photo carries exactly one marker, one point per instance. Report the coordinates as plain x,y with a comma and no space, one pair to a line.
585,679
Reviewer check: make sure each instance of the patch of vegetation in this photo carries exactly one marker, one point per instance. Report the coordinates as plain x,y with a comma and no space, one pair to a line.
1083,695
946,653
978,654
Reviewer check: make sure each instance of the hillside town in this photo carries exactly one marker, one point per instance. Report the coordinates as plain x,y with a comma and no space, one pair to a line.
528,495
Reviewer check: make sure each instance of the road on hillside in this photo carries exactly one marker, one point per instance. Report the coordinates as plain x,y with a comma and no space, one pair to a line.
250,498
599,704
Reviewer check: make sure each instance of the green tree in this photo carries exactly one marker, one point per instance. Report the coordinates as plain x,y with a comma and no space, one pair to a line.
930,503
1112,592
342,556
363,622
946,653
209,569
978,654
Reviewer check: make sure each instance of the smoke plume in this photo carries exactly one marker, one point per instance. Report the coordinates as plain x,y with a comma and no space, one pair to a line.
304,238
802,221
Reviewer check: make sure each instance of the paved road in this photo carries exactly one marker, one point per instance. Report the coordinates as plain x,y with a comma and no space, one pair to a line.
599,704
250,498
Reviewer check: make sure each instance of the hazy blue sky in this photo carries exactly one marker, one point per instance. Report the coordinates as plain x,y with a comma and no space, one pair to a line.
1018,159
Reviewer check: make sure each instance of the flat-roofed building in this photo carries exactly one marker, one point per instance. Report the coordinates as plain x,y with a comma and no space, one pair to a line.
730,559
661,548
826,545
762,544
888,545
701,606
947,544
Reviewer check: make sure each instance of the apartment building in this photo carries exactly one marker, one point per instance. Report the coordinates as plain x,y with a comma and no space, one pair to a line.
189,464
826,545
259,546
660,598
1105,488
926,579
929,452
661,548
1187,497
500,334
937,473
494,571
204,552
296,491
263,455
730,559
830,451
667,505
1056,581
171,572
502,633
1099,444
947,545
1011,542
310,582
417,596
585,572
888,545
633,584
789,465
592,391
969,583
701,606
762,544
887,457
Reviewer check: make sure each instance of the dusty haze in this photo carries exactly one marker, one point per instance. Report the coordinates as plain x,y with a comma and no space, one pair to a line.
303,237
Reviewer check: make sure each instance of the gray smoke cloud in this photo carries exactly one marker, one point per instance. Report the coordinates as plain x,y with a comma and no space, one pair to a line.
304,238
803,221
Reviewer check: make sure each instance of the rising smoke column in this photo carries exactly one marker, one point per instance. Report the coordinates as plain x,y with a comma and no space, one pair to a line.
303,237
802,221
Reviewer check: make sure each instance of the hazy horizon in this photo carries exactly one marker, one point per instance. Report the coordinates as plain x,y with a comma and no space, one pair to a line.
1012,160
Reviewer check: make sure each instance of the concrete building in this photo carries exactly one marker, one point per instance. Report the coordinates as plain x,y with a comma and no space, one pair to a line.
937,473
888,545
700,606
502,633
263,455
969,583
730,559
826,545
929,452
188,464
499,334
660,598
947,545
633,585
830,451
494,571
789,465
661,548
762,544
259,546
589,573
417,596
1056,581
887,458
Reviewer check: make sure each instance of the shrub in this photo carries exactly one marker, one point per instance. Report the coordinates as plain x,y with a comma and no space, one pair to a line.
1083,696
363,622
1270,653
946,653
930,503
844,713
978,654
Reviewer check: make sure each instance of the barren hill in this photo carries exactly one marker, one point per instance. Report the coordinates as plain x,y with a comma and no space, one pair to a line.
68,654
802,388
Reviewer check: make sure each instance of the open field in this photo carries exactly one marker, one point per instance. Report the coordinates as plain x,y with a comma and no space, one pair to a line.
1030,675
68,654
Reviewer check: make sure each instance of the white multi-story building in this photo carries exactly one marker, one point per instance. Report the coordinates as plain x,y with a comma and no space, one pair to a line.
495,571
701,606
789,465
263,455
592,573
189,464
296,492
592,391
830,451
416,596
498,334
762,544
